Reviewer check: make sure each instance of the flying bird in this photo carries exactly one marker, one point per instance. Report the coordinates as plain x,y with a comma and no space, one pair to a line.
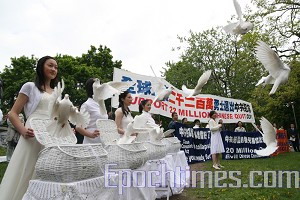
108,90
278,71
269,138
62,110
201,82
241,27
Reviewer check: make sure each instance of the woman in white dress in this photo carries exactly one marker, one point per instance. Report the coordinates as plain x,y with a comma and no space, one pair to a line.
123,113
34,98
216,143
146,120
91,133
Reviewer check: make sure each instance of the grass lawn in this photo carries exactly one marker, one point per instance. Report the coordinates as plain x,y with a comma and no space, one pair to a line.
287,162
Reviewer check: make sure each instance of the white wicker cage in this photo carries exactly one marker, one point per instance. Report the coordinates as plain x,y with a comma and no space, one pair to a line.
71,163
43,137
89,189
155,150
108,131
173,145
126,156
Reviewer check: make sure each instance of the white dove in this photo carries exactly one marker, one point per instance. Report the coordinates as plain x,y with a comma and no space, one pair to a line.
241,27
108,90
278,71
61,112
269,138
201,82
127,137
162,93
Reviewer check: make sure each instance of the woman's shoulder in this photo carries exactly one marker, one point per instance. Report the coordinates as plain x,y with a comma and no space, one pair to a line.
28,85
119,110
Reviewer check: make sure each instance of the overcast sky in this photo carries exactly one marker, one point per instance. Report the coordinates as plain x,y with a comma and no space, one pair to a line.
139,32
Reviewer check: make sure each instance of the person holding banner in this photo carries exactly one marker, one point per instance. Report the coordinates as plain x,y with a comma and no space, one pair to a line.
216,143
239,127
123,114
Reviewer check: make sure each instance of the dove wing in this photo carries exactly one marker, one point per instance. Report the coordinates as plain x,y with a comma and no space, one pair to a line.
168,132
187,91
55,99
121,86
104,91
202,81
269,59
80,119
237,9
269,131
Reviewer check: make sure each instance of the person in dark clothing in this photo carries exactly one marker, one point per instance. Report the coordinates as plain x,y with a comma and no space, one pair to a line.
174,120
293,137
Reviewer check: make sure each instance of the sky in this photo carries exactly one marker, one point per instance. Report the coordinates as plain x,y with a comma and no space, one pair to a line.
140,33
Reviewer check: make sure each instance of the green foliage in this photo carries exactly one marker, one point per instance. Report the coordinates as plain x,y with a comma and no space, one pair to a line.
281,20
235,69
75,72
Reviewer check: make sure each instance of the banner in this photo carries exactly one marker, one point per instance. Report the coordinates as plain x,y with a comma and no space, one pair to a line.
237,145
230,110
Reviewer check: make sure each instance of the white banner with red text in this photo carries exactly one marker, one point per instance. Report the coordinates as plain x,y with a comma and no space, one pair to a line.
198,107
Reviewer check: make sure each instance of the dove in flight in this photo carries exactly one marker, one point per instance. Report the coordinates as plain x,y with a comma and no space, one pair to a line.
63,110
241,27
162,93
107,90
201,82
269,138
278,71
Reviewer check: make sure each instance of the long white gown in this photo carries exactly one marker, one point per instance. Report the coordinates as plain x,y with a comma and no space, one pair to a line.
216,143
21,166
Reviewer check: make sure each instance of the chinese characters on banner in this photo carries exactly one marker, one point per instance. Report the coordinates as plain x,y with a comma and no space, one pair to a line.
230,110
237,145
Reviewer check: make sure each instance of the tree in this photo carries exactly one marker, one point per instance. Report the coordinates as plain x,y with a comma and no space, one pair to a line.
280,19
235,70
97,63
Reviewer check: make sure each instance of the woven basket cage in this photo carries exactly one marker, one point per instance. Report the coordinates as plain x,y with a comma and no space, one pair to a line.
126,156
155,150
143,136
71,163
108,130
173,145
43,137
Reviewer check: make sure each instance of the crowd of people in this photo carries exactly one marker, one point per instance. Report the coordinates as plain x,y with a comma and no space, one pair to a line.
33,99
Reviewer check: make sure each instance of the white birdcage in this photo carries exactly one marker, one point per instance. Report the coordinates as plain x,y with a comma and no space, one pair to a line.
108,130
43,137
155,149
126,156
173,145
71,163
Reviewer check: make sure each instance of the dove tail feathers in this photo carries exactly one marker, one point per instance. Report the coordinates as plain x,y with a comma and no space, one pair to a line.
56,129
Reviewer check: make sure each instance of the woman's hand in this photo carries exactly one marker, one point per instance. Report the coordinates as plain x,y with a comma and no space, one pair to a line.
94,134
28,133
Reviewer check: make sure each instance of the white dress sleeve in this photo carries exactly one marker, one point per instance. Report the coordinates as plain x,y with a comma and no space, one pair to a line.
212,125
26,88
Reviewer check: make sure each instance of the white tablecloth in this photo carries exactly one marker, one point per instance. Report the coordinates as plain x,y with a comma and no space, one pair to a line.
170,172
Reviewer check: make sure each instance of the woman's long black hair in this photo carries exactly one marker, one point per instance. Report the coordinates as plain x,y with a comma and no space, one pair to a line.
121,103
40,77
